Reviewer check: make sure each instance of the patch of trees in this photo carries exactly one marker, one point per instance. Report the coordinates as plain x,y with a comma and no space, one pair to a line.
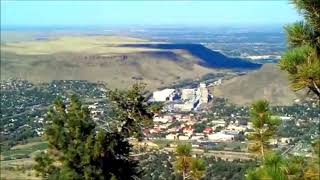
231,170
79,149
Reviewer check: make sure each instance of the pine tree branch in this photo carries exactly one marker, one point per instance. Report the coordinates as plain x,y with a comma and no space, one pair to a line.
316,87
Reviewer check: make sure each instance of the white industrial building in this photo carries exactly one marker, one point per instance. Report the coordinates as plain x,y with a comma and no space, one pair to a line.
187,94
221,136
203,94
191,99
188,106
164,95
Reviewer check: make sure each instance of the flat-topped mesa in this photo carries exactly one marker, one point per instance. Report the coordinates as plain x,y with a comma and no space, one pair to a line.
118,61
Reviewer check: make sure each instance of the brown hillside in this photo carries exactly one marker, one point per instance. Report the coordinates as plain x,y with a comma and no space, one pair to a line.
269,83
98,59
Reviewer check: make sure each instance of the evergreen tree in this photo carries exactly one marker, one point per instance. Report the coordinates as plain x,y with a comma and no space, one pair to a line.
264,126
78,149
294,167
310,10
273,164
198,168
131,109
271,169
231,170
187,166
156,107
156,165
44,165
302,59
276,167
312,170
183,161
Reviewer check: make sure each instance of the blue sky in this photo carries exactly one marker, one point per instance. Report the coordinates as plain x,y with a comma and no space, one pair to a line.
104,13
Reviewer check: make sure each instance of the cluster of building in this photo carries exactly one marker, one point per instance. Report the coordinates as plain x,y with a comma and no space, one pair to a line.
184,100
14,84
177,126
182,127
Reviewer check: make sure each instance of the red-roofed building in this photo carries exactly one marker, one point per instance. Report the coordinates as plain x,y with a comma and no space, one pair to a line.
155,130
188,130
207,130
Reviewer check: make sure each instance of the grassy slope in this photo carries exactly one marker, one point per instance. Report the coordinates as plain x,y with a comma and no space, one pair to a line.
16,169
28,149
267,83
78,58
89,44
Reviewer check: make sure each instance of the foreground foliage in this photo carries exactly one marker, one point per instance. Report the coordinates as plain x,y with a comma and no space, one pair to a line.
277,167
186,165
80,150
231,170
131,110
264,126
302,59
157,165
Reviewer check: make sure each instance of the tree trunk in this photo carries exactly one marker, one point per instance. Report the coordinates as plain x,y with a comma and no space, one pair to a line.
184,169
317,89
261,145
262,151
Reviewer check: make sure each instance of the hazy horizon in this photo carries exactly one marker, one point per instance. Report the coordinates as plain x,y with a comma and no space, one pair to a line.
85,14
